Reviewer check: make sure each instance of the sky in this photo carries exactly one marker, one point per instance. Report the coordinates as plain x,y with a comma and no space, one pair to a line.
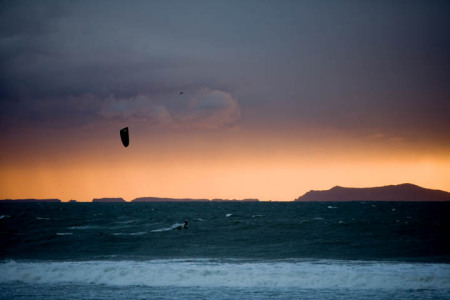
278,97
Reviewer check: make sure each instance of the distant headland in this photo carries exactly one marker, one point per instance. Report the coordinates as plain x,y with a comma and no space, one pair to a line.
401,192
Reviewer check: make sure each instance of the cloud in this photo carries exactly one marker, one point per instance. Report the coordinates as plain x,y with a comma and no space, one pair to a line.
212,109
206,109
70,65
288,64
52,112
29,17
139,108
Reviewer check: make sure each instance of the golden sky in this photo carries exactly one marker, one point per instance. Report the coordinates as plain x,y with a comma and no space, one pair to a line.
229,166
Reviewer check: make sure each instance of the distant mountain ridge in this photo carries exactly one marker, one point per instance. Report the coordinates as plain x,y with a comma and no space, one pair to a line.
401,192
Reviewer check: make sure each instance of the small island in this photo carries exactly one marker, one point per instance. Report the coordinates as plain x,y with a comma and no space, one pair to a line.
157,199
32,200
108,200
401,192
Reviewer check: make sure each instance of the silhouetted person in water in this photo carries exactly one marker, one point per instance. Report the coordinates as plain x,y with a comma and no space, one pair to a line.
185,226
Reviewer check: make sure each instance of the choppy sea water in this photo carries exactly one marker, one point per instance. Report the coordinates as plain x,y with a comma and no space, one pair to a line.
348,250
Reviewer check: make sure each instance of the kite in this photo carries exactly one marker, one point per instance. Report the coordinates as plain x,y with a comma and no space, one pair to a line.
124,136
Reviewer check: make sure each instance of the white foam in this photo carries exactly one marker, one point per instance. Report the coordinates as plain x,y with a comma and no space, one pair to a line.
131,233
206,273
64,233
228,215
4,216
332,207
39,218
82,227
174,226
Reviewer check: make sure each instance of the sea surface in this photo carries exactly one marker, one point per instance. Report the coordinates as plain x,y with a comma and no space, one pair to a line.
265,250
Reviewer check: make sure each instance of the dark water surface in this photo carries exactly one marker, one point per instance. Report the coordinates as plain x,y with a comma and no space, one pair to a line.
355,230
397,250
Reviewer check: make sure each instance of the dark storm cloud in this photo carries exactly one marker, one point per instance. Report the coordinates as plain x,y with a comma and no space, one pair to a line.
89,53
368,65
379,65
29,18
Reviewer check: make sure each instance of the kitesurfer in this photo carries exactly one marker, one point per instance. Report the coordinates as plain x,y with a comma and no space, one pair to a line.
185,226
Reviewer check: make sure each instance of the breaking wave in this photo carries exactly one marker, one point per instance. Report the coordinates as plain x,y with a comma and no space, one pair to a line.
233,273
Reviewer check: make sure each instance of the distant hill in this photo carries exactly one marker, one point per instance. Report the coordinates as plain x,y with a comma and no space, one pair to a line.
401,192
30,200
104,200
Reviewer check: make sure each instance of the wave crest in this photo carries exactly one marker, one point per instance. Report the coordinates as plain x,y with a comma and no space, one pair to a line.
207,273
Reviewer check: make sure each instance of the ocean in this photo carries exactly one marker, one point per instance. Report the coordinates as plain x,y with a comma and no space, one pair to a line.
231,250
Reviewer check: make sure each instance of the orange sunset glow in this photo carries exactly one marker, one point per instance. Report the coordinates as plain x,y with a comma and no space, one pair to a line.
229,167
